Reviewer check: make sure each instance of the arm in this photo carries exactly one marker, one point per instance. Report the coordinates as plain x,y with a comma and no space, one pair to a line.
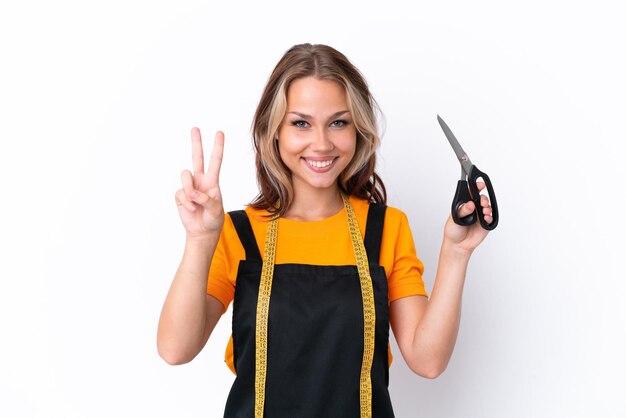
189,314
426,330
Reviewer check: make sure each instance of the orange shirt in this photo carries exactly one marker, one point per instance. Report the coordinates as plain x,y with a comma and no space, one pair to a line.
324,242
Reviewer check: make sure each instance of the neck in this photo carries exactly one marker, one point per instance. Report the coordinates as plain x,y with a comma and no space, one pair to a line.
315,206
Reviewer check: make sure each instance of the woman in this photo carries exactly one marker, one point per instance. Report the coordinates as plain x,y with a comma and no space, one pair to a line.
317,265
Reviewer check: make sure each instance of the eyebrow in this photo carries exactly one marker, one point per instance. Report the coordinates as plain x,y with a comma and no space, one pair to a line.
305,116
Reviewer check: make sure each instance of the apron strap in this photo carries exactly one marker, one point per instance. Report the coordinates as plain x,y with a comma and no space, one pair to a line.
246,236
374,232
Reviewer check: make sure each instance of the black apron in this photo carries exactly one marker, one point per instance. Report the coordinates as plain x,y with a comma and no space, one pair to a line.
315,334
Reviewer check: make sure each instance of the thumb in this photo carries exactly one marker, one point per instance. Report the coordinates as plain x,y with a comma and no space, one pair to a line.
205,199
200,198
214,193
466,209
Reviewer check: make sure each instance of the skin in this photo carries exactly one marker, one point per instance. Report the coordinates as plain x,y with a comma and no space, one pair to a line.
189,314
317,127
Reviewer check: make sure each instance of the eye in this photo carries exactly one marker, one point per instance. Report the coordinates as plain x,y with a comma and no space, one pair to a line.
339,123
300,123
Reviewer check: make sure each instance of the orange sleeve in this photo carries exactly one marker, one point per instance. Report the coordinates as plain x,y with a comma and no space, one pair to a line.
223,270
405,278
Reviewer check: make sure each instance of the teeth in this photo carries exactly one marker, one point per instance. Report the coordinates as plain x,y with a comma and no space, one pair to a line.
319,164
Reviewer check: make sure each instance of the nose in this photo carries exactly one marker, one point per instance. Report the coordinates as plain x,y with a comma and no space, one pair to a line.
322,142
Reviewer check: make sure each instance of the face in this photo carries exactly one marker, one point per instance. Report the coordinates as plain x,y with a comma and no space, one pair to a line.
317,137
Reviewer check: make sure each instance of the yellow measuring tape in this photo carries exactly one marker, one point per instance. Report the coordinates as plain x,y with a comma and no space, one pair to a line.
369,310
262,312
369,313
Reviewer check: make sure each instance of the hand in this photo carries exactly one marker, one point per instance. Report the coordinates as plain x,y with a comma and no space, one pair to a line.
467,238
200,201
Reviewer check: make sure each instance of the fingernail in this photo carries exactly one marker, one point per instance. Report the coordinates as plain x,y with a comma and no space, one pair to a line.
194,194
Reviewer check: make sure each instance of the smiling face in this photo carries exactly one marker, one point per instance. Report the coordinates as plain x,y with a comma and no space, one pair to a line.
317,137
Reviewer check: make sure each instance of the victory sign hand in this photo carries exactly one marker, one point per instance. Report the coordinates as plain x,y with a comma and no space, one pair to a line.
200,201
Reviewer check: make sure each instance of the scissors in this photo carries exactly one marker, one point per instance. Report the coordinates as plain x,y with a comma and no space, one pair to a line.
467,189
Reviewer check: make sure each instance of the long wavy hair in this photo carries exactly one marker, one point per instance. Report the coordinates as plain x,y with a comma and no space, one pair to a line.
324,63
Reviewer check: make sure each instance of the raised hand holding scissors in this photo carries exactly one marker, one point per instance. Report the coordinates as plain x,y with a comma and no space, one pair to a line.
468,188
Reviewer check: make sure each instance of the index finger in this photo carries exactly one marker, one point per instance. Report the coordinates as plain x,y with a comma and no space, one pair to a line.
197,155
216,156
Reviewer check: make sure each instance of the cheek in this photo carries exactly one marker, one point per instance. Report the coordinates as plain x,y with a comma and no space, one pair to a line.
292,143
281,152
349,149
347,143
284,147
288,152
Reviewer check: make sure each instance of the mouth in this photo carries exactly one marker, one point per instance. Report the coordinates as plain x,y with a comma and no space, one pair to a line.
320,165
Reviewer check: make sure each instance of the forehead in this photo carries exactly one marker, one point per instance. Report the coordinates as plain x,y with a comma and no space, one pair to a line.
313,96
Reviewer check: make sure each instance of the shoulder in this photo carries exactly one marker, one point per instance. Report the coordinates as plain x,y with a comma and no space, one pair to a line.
253,214
257,216
393,215
258,221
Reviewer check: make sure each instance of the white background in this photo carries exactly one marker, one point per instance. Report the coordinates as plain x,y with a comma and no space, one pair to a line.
96,103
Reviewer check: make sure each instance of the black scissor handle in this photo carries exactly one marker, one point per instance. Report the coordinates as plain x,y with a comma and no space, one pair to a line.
461,196
474,175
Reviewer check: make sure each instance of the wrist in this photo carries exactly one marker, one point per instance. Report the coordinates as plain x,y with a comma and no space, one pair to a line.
455,250
210,238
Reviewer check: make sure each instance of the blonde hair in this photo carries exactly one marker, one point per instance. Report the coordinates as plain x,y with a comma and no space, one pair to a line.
324,63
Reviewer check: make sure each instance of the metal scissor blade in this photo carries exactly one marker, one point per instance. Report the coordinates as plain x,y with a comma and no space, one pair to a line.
458,150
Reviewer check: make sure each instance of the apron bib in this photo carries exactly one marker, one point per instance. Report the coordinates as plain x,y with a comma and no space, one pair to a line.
309,358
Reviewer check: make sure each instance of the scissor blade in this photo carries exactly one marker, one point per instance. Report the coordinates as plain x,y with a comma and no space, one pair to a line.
458,150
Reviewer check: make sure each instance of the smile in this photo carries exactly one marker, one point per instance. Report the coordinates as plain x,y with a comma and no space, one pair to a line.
320,165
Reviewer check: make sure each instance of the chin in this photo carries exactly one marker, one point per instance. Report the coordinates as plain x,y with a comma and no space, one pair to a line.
322,185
